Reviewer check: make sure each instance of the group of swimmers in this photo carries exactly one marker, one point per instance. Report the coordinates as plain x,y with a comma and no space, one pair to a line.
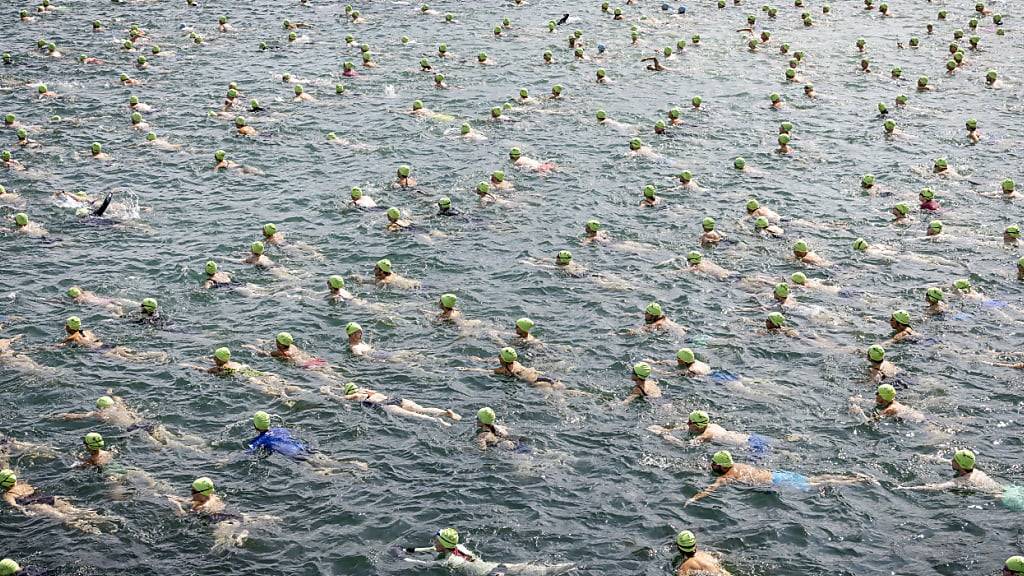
230,528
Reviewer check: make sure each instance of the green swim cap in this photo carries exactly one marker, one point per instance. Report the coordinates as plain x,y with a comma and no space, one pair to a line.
675,113
686,541
739,163
445,202
514,153
74,292
269,230
1008,185
876,353
686,356
465,128
902,317
685,176
136,117
654,309
790,73
563,257
889,125
352,327
783,139
991,75
384,264
7,479
394,213
694,257
593,225
1013,231
284,339
261,421
723,458
935,225
965,459
1015,564
941,163
104,402
74,323
149,304
777,319
782,290
448,301
902,99
799,278
761,223
357,192
696,101
257,248
449,538
202,486
708,224
351,388
93,441
886,392
496,112
219,155
922,81
860,244
642,369
971,124
934,295
486,415
635,144
155,49
525,324
902,208
774,96
752,205
659,125
211,267
867,180
150,136
297,89
508,354
223,354
649,191
403,171
9,567
336,282
498,176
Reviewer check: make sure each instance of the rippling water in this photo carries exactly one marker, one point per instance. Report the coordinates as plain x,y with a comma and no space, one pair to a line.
600,490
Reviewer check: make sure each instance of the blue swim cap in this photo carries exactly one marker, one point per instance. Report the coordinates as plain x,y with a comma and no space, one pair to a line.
664,6
682,9
600,48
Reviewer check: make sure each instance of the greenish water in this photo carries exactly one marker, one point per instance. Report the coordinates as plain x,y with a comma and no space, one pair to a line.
601,490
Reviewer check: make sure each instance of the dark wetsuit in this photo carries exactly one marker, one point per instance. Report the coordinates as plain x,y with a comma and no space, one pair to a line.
280,441
223,517
37,498
147,426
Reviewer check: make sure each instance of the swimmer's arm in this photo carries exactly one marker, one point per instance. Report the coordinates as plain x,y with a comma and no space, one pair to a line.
177,502
949,485
705,492
75,415
629,399
259,351
12,502
200,368
479,370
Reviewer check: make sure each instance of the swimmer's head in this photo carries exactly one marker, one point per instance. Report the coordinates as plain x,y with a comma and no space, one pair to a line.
775,98
257,248
104,402
523,326
685,176
761,223
149,305
886,393
202,486
922,82
707,224
384,265
1007,185
404,171
297,89
593,225
962,284
356,193
352,328
867,181
444,203
902,99
269,230
1014,565
641,370
686,542
210,267
136,118
1012,232
284,339
934,295
394,214
222,355
448,301
693,257
350,388
675,113
335,282
563,258
781,290
447,538
685,356
150,136
261,421
514,153
556,90
901,317
799,278
7,479
496,112
889,125
752,205
465,128
901,210
73,324
508,355
739,163
876,353
964,459
860,244
991,76
483,188
635,144
653,311
940,165
783,139
486,415
219,155
775,320
721,461
93,441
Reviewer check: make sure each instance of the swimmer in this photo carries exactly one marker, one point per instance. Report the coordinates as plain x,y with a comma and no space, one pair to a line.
687,361
697,263
765,229
114,411
498,181
301,95
228,530
593,233
384,276
24,141
604,120
26,227
103,461
523,326
280,441
527,163
86,339
243,127
10,163
809,90
24,498
403,179
709,236
637,148
696,562
972,130
454,556
729,472
510,366
467,132
966,477
10,198
934,230
257,257
901,212
927,199
162,143
16,360
781,295
755,210
45,92
649,198
286,351
775,323
223,26
935,299
129,81
22,450
214,277
393,405
149,313
97,152
642,387
395,220
686,180
489,433
138,123
267,383
703,431
899,321
111,305
654,65
878,367
804,254
656,320
886,406
360,199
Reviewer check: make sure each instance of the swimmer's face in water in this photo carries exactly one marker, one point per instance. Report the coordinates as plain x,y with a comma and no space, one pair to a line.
282,348
696,429
651,318
881,402
380,274
718,469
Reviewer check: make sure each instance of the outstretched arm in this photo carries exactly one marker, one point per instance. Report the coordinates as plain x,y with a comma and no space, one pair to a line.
705,492
949,485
